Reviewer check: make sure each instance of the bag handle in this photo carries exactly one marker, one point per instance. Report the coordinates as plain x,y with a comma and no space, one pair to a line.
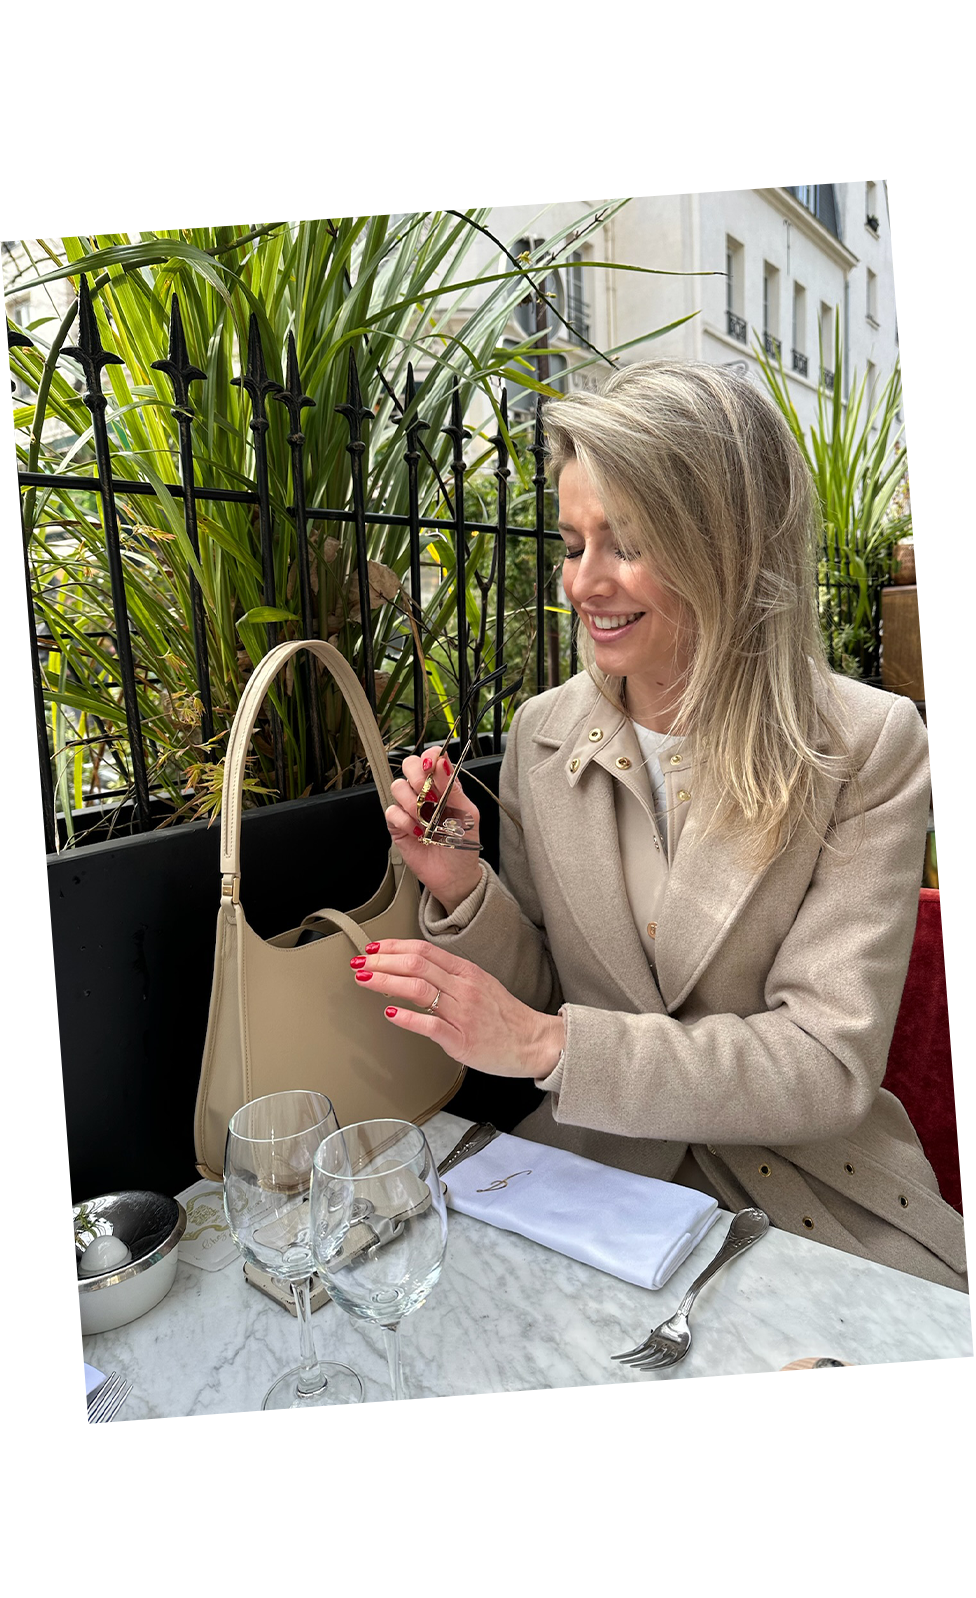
243,728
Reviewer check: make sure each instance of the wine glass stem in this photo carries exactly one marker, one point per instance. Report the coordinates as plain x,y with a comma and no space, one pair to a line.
393,1359
312,1378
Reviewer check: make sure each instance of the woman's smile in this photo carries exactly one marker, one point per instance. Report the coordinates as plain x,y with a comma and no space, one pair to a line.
630,616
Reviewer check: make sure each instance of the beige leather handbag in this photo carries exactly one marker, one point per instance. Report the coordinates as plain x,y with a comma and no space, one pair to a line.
288,1017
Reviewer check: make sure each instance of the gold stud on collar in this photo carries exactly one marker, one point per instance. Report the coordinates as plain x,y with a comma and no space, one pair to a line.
683,796
622,762
676,760
574,765
595,735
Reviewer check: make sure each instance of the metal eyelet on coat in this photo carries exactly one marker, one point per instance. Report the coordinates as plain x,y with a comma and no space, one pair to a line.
622,763
903,1201
595,735
808,1222
849,1169
765,1170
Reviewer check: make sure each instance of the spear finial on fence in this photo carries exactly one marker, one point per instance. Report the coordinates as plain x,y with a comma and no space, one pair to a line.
416,425
291,395
178,367
354,410
88,352
255,378
456,431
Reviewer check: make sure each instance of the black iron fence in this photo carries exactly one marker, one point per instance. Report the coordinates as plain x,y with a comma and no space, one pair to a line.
128,740
849,599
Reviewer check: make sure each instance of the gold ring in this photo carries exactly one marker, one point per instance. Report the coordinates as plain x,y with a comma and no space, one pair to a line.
436,1001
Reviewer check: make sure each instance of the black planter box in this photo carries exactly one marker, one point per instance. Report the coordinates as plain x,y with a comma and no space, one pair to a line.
133,924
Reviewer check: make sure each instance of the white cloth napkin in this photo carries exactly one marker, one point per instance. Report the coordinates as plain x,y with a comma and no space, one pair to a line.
92,1377
634,1227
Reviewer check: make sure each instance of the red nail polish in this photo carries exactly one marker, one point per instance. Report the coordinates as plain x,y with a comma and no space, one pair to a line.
447,765
358,963
364,976
372,948
391,1013
428,763
418,832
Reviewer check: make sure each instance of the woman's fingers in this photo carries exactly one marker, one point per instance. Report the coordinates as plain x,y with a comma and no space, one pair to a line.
428,1026
420,991
412,957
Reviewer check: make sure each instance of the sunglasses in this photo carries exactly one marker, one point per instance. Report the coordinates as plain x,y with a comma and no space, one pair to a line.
444,824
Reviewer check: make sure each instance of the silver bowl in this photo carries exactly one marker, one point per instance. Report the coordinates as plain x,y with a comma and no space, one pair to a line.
150,1225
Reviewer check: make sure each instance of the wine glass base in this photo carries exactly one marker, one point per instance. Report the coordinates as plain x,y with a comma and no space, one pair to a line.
341,1386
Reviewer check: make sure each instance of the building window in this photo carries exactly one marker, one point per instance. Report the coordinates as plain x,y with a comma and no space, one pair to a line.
563,290
871,207
799,329
577,312
819,199
826,346
872,296
735,322
771,338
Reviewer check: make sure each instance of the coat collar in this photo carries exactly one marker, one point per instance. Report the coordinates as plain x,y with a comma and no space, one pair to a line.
709,883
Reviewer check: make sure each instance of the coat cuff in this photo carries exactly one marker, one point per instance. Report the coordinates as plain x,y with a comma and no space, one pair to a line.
553,1082
435,922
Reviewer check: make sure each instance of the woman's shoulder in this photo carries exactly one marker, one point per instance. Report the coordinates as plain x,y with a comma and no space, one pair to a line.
862,714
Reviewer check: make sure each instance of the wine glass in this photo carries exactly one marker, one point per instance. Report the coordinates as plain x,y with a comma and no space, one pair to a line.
379,1225
267,1175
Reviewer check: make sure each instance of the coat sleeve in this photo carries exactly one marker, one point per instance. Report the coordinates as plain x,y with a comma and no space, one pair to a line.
500,925
810,1064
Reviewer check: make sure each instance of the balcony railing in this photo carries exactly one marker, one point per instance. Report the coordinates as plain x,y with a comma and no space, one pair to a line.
736,326
799,363
773,346
827,379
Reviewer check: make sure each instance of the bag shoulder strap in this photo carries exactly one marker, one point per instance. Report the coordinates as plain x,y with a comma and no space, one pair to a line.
243,728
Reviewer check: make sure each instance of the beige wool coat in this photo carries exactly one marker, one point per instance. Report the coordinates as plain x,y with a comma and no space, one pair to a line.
749,1017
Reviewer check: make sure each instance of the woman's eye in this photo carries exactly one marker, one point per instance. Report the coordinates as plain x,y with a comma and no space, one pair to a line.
572,554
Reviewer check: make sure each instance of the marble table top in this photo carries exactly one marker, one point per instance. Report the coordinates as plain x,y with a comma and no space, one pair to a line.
509,1316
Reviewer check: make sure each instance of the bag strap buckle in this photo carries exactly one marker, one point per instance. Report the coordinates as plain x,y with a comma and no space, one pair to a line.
230,889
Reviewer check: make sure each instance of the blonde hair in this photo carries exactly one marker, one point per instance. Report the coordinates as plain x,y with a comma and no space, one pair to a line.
700,476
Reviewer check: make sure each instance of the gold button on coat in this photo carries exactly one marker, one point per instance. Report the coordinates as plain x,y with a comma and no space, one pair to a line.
676,760
574,765
652,929
595,735
622,762
683,796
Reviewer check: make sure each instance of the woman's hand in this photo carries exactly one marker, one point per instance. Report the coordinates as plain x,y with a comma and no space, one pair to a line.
450,874
476,1021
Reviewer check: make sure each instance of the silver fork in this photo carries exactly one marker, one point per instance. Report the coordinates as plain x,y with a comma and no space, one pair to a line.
101,1400
670,1341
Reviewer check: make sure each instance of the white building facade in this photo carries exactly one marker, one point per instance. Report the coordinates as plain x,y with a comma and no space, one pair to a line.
781,268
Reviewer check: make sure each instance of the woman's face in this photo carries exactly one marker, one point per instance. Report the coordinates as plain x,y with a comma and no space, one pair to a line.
632,620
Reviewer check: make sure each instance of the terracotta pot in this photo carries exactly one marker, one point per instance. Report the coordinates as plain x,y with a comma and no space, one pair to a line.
905,563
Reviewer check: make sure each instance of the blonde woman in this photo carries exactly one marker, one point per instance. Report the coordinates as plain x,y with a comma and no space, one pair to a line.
711,846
